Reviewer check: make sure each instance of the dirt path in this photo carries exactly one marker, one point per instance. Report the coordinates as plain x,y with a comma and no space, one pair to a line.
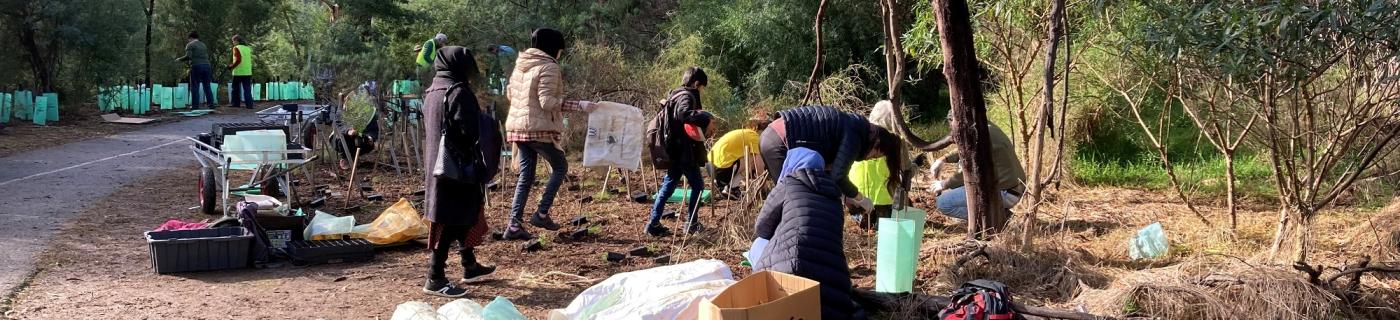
43,189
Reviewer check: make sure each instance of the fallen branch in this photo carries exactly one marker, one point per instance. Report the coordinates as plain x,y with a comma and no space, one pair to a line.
1359,270
933,304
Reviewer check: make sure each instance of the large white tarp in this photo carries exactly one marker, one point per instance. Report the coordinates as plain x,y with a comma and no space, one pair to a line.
661,293
614,139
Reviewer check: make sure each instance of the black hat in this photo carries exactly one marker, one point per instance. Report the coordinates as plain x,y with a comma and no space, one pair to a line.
548,40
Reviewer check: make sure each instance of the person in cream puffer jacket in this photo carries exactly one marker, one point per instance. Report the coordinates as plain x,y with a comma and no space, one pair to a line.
535,125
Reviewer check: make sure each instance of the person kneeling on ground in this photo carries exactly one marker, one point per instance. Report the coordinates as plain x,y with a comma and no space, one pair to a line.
872,177
357,141
454,207
687,123
729,149
1010,176
803,219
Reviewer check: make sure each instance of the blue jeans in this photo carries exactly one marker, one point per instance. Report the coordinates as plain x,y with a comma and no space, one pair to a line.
200,76
242,90
528,156
668,187
953,202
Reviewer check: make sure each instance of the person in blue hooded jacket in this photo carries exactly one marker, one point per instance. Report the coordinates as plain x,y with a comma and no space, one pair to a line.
802,220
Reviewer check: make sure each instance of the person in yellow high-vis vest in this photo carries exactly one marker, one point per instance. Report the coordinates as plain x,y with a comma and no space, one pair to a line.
242,68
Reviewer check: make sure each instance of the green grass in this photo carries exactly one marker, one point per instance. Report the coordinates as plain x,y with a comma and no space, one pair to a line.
1205,177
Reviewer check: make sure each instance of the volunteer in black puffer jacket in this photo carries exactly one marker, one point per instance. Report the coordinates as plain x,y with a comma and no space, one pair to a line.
802,219
841,138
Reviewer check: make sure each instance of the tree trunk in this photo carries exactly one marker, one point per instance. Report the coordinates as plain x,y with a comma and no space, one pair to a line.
984,213
1045,119
1300,235
1280,233
1230,189
41,67
812,82
150,18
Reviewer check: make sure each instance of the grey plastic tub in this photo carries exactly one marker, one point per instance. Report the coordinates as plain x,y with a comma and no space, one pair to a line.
199,250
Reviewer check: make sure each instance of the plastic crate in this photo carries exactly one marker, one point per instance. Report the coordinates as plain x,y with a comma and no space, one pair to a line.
226,128
330,251
199,250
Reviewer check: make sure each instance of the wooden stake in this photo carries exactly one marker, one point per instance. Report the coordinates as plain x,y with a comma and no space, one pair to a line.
351,187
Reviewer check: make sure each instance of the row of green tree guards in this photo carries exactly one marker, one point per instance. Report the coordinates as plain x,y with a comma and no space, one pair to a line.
42,109
139,100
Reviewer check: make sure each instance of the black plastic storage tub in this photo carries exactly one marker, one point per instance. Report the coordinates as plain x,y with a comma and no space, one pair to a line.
199,250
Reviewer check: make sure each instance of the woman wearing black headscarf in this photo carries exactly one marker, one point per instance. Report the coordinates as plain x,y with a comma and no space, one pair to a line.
454,207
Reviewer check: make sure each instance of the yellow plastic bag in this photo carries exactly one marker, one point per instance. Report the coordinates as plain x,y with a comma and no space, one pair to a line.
398,223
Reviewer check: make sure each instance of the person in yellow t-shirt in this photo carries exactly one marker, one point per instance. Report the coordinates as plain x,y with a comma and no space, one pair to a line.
725,155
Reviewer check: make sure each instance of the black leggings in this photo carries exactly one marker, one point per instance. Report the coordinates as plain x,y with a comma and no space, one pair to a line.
773,151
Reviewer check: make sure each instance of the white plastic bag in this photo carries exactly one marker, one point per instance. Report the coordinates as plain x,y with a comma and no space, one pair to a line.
461,309
614,139
264,202
668,292
326,226
416,310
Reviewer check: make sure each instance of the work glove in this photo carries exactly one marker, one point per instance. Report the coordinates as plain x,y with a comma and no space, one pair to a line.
937,187
860,202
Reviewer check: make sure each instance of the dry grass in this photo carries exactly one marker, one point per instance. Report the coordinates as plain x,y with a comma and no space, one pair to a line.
1215,289
1379,236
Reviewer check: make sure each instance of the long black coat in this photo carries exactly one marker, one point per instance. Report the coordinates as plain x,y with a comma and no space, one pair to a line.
449,202
802,219
841,138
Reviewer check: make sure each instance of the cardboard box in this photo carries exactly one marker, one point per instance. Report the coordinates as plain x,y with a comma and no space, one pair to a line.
766,295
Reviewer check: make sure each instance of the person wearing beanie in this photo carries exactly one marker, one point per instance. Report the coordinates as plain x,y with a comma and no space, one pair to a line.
687,125
535,124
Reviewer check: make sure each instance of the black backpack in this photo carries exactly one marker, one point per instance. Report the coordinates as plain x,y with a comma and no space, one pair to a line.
659,133
480,165
980,300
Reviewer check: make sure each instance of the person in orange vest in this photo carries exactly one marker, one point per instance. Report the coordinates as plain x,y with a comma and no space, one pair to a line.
242,68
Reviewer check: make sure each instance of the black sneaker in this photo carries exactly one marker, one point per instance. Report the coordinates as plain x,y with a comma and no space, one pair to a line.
544,222
694,228
658,230
477,273
443,289
515,232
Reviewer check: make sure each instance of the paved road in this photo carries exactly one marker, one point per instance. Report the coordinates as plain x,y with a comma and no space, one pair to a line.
41,189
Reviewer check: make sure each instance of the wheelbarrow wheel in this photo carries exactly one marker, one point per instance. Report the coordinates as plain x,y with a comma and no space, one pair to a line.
207,188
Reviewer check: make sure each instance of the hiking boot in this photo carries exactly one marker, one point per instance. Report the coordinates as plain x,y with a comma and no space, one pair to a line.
543,221
443,288
515,232
477,272
658,230
694,228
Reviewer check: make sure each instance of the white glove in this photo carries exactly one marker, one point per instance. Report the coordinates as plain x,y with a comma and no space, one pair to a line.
587,106
937,186
937,165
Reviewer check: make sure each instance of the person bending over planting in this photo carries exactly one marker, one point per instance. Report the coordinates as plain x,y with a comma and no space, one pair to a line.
686,123
841,138
535,125
732,147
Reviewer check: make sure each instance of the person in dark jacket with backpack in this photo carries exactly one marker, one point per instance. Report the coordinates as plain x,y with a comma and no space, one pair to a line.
802,219
841,138
454,208
685,146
